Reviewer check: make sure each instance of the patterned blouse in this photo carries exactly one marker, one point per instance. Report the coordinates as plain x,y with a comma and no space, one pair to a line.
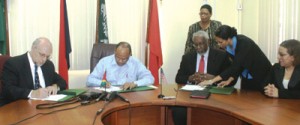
211,33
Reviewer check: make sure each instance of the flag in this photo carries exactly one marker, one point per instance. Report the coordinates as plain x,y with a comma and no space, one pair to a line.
102,24
153,39
2,29
163,79
64,42
103,81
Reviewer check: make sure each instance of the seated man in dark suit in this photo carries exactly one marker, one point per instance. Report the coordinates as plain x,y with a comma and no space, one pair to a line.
202,64
31,75
199,65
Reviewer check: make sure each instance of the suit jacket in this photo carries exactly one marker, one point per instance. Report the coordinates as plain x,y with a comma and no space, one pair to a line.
17,78
276,77
217,62
248,56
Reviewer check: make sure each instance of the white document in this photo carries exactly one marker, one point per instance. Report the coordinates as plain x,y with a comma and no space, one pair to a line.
109,89
116,88
192,87
51,97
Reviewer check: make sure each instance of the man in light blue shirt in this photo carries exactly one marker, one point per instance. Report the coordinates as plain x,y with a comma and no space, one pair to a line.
121,70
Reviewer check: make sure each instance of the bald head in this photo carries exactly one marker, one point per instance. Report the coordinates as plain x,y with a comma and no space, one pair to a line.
122,53
41,50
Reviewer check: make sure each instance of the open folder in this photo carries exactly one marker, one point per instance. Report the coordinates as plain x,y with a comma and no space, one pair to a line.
212,89
139,88
71,93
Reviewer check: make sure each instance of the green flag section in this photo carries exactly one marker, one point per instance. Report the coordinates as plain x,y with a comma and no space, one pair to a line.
102,24
2,29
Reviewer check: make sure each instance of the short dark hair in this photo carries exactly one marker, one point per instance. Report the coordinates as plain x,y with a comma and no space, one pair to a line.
225,32
293,49
124,45
208,7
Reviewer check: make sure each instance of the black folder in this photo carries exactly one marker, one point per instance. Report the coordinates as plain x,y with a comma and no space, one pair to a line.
200,94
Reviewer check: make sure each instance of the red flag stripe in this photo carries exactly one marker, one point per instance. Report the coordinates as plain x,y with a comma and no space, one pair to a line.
153,38
64,43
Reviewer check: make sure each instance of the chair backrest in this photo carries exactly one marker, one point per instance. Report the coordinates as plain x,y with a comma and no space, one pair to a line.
99,51
2,61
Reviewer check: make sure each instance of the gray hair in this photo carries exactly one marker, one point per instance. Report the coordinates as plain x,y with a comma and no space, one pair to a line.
37,41
201,34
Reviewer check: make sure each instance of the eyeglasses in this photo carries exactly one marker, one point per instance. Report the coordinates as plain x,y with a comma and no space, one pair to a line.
44,55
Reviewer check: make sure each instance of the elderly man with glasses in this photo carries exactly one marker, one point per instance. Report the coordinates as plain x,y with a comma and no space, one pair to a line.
31,75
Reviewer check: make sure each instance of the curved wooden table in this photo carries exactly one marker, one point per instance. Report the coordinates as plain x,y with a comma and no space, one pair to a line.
242,107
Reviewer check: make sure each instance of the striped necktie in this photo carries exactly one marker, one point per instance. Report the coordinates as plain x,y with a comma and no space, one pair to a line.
36,78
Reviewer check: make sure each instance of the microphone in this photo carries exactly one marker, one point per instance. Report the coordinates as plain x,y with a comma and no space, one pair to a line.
102,96
112,96
122,98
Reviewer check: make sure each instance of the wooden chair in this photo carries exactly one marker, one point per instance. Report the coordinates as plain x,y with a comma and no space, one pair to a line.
2,61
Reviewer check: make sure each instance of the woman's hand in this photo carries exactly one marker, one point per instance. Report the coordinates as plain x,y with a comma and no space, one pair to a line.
271,91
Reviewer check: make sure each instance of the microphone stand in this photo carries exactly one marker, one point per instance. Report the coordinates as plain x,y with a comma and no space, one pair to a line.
103,83
161,85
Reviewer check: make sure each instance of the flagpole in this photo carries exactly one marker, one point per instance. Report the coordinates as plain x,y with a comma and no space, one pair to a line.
97,21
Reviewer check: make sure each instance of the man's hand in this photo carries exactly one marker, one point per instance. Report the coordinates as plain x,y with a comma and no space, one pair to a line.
129,85
52,90
108,84
39,93
206,82
200,77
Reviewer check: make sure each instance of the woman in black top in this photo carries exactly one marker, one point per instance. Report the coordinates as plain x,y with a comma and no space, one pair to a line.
284,78
249,61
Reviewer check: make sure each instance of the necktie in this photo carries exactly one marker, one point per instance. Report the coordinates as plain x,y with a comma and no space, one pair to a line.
201,65
36,78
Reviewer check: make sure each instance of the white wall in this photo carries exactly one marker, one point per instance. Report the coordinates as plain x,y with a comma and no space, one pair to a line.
175,18
249,18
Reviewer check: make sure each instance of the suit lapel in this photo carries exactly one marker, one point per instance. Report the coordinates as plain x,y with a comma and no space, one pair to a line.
194,62
44,70
210,60
294,78
28,75
279,77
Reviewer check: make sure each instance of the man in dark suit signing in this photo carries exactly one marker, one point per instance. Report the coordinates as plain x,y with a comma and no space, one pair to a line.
31,75
197,66
214,61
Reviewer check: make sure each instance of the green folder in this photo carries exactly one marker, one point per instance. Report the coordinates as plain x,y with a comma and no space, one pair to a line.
139,88
219,90
70,93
